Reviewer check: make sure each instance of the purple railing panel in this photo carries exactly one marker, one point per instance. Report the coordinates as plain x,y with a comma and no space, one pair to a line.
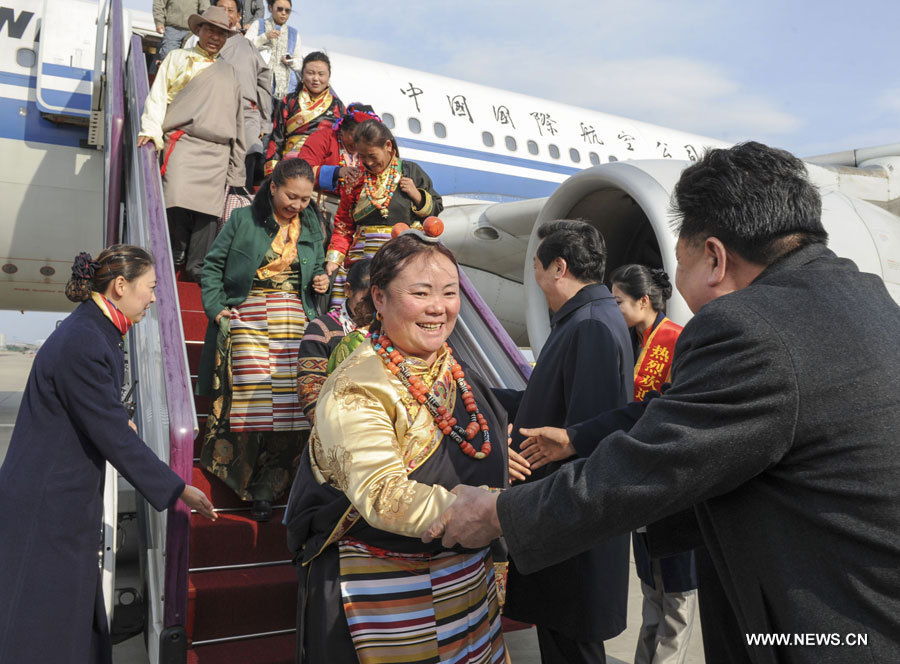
496,328
114,114
178,393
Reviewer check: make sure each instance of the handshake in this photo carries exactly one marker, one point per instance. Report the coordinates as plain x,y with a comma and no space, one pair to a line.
472,520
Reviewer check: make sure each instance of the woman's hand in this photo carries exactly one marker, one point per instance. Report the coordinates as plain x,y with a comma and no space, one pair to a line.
519,468
197,500
320,283
330,267
132,425
349,174
545,445
272,35
225,312
408,187
143,140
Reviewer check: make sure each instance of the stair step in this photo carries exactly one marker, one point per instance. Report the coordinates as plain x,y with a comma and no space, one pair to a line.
189,296
194,324
219,493
263,650
194,351
242,601
236,539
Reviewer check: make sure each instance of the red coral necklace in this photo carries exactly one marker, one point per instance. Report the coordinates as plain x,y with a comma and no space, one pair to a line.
396,364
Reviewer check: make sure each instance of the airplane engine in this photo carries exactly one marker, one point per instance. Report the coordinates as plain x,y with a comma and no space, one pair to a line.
629,203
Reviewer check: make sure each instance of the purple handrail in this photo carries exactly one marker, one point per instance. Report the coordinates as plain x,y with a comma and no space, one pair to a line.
484,311
114,115
178,393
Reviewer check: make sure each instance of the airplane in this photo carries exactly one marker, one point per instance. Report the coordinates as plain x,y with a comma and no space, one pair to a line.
504,162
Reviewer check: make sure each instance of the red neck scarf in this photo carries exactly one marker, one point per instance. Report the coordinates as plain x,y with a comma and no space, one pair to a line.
116,317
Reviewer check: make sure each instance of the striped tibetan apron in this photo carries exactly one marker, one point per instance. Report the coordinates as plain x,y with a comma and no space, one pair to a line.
265,339
420,608
366,242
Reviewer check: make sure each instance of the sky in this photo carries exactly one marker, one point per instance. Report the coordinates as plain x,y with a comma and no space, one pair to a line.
809,76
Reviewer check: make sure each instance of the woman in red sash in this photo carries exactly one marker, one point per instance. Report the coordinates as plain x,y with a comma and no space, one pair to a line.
668,584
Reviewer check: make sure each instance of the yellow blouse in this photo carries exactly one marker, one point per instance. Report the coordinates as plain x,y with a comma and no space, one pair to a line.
368,437
175,72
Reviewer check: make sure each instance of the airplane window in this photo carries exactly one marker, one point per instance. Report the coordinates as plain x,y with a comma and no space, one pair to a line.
488,138
595,158
511,144
388,120
414,125
574,155
440,130
554,151
532,147
613,157
25,57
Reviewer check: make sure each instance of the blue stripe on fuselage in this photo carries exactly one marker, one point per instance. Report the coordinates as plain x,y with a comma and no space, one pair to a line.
455,151
32,128
62,71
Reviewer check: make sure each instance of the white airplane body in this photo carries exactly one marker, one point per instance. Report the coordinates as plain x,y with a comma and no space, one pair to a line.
480,146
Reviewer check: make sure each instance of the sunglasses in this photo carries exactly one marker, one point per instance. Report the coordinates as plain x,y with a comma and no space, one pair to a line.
283,10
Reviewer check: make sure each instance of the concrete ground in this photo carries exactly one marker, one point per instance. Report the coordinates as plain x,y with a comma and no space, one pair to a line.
14,368
522,645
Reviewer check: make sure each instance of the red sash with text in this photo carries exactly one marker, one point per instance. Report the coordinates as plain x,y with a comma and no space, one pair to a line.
655,362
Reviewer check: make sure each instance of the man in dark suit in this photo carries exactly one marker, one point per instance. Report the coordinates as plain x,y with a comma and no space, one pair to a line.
779,428
584,369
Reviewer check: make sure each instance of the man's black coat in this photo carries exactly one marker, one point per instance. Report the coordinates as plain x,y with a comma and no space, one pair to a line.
585,368
781,427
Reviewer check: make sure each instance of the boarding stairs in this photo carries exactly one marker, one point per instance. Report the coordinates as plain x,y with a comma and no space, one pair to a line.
218,592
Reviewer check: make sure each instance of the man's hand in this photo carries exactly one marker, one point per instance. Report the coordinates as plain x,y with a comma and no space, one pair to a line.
470,521
320,283
408,187
272,35
197,500
132,425
519,468
143,140
160,28
545,445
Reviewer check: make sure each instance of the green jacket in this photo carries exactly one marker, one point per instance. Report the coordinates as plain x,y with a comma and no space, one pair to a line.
230,268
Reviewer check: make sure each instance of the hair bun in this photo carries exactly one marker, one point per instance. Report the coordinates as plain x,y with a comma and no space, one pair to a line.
84,266
662,280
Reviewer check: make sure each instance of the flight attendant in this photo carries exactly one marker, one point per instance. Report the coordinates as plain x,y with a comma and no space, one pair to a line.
669,584
71,422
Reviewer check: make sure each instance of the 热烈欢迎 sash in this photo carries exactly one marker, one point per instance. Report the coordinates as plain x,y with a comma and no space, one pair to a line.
655,361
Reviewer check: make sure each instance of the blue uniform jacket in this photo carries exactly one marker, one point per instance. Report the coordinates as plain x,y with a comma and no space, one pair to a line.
70,423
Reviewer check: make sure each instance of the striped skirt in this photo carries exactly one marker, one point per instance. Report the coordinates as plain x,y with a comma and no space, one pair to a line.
417,608
265,338
366,242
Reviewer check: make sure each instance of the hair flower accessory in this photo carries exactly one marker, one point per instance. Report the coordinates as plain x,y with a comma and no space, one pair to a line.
84,266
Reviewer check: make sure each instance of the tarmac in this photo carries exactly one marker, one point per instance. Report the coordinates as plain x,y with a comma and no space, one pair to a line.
522,645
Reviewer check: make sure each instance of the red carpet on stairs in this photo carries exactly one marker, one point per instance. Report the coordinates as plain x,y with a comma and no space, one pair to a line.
245,594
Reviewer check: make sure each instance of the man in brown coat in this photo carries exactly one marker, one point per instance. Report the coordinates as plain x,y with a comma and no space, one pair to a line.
194,115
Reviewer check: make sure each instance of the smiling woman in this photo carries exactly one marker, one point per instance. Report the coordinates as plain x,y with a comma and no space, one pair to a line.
258,283
70,423
398,424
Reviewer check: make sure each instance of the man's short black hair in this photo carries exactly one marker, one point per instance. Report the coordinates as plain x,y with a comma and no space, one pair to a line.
757,200
578,243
